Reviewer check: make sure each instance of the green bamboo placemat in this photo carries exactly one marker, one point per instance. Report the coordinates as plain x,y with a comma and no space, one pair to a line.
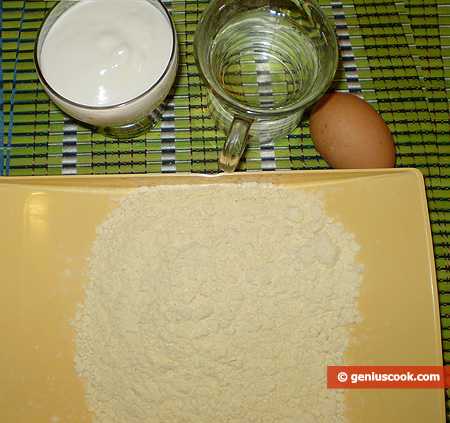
395,54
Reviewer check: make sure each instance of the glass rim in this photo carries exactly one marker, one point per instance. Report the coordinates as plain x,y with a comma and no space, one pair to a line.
47,86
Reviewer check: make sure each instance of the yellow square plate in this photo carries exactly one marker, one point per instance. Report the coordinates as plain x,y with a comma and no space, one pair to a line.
48,225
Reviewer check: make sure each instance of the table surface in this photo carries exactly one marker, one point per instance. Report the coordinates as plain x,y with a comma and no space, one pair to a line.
394,54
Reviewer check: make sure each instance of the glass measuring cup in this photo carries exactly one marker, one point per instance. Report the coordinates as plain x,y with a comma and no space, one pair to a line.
264,62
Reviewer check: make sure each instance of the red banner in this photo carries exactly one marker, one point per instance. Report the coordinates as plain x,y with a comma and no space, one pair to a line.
388,377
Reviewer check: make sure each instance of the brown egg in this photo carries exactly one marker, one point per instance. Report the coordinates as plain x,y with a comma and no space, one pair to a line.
350,134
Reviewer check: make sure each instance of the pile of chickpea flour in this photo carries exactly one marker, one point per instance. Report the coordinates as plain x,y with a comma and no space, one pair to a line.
217,303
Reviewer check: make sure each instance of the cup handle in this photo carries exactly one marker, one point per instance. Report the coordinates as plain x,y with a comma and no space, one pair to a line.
235,144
